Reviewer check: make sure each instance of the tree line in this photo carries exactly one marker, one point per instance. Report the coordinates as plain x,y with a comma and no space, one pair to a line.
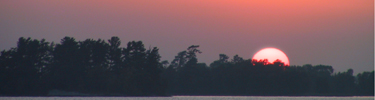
102,67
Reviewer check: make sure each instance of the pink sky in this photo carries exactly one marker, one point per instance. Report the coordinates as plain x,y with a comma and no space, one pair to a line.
331,32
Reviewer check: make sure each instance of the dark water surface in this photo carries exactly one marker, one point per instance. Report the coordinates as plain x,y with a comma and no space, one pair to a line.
193,98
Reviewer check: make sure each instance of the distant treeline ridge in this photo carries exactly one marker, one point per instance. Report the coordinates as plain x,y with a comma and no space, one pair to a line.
102,67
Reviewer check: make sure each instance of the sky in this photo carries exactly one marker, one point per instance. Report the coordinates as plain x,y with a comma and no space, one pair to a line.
339,33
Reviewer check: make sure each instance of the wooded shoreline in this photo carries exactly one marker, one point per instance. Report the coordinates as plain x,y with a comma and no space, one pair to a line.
37,67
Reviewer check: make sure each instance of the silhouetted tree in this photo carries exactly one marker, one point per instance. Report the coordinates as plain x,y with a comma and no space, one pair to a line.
222,59
114,54
237,59
66,70
179,60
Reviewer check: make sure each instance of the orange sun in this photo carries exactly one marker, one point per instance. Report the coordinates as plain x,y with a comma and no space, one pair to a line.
271,54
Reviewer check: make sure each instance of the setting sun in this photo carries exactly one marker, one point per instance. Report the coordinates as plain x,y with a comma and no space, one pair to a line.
271,54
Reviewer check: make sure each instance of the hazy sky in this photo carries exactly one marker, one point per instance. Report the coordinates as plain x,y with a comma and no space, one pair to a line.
330,32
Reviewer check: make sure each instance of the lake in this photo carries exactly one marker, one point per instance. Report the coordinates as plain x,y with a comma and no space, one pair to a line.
193,98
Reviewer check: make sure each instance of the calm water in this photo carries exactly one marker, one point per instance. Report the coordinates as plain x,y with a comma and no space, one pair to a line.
189,98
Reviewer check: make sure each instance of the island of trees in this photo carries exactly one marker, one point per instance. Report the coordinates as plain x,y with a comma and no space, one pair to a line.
103,68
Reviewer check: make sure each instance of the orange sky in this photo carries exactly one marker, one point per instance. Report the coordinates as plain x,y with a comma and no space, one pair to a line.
332,32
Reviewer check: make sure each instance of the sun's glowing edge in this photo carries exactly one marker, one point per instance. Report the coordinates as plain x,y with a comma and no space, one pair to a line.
275,54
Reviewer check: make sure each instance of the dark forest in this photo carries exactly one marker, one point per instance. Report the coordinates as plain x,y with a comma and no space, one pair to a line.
103,68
